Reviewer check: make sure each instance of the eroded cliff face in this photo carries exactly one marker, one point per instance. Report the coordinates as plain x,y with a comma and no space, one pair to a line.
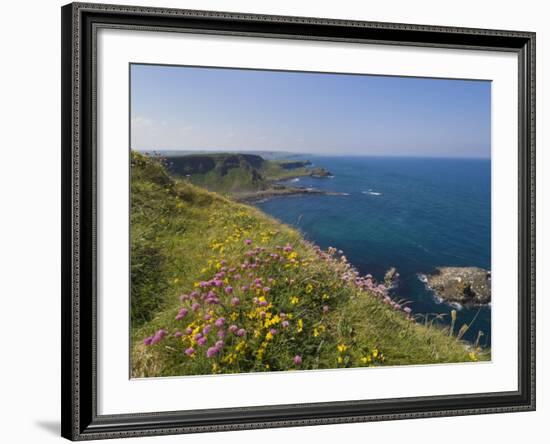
202,164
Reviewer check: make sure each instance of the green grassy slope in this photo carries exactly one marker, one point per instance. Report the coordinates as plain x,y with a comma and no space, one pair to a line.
232,173
261,298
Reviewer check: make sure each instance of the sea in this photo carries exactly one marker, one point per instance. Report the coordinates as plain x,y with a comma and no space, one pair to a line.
414,214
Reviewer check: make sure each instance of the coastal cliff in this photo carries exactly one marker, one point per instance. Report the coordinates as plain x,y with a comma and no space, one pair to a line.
244,176
262,297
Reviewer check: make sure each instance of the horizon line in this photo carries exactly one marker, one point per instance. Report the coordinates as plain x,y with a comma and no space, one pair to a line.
292,153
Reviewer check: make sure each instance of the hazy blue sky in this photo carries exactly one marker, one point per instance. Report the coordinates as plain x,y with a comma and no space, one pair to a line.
238,110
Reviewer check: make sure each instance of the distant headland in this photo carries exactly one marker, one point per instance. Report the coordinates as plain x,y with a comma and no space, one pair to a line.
245,177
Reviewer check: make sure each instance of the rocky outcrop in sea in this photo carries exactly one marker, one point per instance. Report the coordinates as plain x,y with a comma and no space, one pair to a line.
469,286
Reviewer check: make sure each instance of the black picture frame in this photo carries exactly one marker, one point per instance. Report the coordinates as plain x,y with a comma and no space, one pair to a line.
80,420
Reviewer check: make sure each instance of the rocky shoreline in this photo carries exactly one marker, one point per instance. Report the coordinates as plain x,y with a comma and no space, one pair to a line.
467,286
256,196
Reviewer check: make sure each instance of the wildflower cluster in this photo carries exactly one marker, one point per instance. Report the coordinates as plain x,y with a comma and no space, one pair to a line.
267,310
365,283
250,314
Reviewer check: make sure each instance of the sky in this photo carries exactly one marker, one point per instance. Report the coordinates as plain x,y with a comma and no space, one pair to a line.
219,109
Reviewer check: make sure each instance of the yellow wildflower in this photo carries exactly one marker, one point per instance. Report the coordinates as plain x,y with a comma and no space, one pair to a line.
342,348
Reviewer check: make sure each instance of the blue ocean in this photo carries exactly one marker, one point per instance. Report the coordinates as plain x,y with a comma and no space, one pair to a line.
414,214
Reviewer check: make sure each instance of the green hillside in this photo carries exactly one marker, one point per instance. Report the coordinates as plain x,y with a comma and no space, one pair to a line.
232,173
219,287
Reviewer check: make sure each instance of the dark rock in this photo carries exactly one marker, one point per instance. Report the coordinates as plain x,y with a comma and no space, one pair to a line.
470,286
391,278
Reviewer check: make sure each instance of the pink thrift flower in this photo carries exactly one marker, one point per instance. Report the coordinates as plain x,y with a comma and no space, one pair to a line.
181,314
189,351
157,337
273,331
284,324
211,352
233,328
325,309
229,289
202,341
219,344
206,329
266,289
184,297
195,306
297,360
188,330
178,334
407,310
219,322
207,316
235,301
248,241
147,341
240,332
221,334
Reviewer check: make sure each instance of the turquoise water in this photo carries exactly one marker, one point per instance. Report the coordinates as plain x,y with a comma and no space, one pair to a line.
414,214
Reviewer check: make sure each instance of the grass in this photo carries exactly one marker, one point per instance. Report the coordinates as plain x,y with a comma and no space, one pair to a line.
219,287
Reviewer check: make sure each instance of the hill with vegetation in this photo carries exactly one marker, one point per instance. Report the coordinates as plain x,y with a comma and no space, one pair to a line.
235,173
219,287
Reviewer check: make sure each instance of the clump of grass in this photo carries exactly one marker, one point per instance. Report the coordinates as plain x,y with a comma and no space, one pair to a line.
221,288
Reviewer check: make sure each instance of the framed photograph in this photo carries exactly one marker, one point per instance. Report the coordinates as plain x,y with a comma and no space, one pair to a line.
280,221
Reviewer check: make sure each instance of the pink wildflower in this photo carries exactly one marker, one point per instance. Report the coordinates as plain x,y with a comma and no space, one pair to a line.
211,352
189,351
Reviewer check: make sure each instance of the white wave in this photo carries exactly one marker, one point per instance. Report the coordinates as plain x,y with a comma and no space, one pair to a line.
372,193
296,179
